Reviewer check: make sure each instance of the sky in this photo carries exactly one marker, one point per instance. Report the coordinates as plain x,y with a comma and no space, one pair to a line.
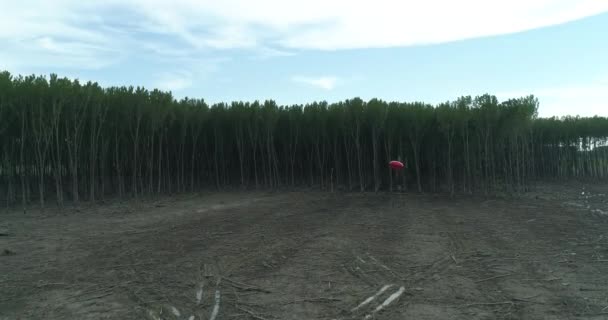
302,51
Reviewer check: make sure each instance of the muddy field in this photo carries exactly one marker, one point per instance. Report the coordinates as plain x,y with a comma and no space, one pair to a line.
311,255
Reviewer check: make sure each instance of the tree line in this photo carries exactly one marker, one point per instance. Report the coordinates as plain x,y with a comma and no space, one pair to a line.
62,140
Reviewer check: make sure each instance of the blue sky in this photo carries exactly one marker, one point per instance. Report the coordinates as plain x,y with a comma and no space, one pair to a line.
302,51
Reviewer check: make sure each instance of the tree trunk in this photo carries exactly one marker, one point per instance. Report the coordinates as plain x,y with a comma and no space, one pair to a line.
375,159
193,163
450,174
359,159
415,148
160,161
387,148
22,162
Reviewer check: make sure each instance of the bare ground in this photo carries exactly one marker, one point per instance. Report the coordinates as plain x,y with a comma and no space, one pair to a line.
309,255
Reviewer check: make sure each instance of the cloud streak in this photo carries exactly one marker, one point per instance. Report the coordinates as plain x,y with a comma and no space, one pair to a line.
325,82
298,24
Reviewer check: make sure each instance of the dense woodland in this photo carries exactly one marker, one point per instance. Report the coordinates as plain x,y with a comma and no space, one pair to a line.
64,141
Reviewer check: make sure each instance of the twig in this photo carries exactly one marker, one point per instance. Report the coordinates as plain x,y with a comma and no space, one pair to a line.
102,289
594,314
244,286
222,233
550,279
529,301
590,289
236,315
216,307
314,300
370,271
489,303
42,284
385,267
130,265
139,231
96,297
251,313
494,277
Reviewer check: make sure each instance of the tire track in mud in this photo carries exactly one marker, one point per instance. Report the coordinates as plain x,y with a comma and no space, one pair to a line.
339,263
526,285
419,247
255,244
319,255
463,263
162,262
400,241
482,294
316,268
434,253
430,253
570,239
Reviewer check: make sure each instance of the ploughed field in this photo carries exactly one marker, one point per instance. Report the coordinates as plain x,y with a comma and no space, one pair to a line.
311,255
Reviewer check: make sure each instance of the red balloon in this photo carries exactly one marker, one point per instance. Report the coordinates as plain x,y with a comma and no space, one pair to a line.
396,165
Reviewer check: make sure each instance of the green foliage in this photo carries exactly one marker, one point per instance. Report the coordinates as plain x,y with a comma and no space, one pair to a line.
61,139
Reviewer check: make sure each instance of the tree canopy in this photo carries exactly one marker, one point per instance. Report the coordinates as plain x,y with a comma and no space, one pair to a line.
63,140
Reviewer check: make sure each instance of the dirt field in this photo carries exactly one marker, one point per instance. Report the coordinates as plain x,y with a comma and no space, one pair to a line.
309,255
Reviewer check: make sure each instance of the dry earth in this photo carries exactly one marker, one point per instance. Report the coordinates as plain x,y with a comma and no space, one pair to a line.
311,255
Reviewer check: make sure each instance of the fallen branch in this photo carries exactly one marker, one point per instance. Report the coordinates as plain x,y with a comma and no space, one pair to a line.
245,286
494,277
372,298
386,302
385,267
550,279
216,306
528,301
489,303
199,294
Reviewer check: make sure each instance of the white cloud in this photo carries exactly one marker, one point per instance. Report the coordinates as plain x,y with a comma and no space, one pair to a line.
265,53
343,24
325,83
398,23
296,24
588,99
184,34
175,81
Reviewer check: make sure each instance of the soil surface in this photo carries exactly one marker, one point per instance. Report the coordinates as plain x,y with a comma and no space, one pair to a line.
311,255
